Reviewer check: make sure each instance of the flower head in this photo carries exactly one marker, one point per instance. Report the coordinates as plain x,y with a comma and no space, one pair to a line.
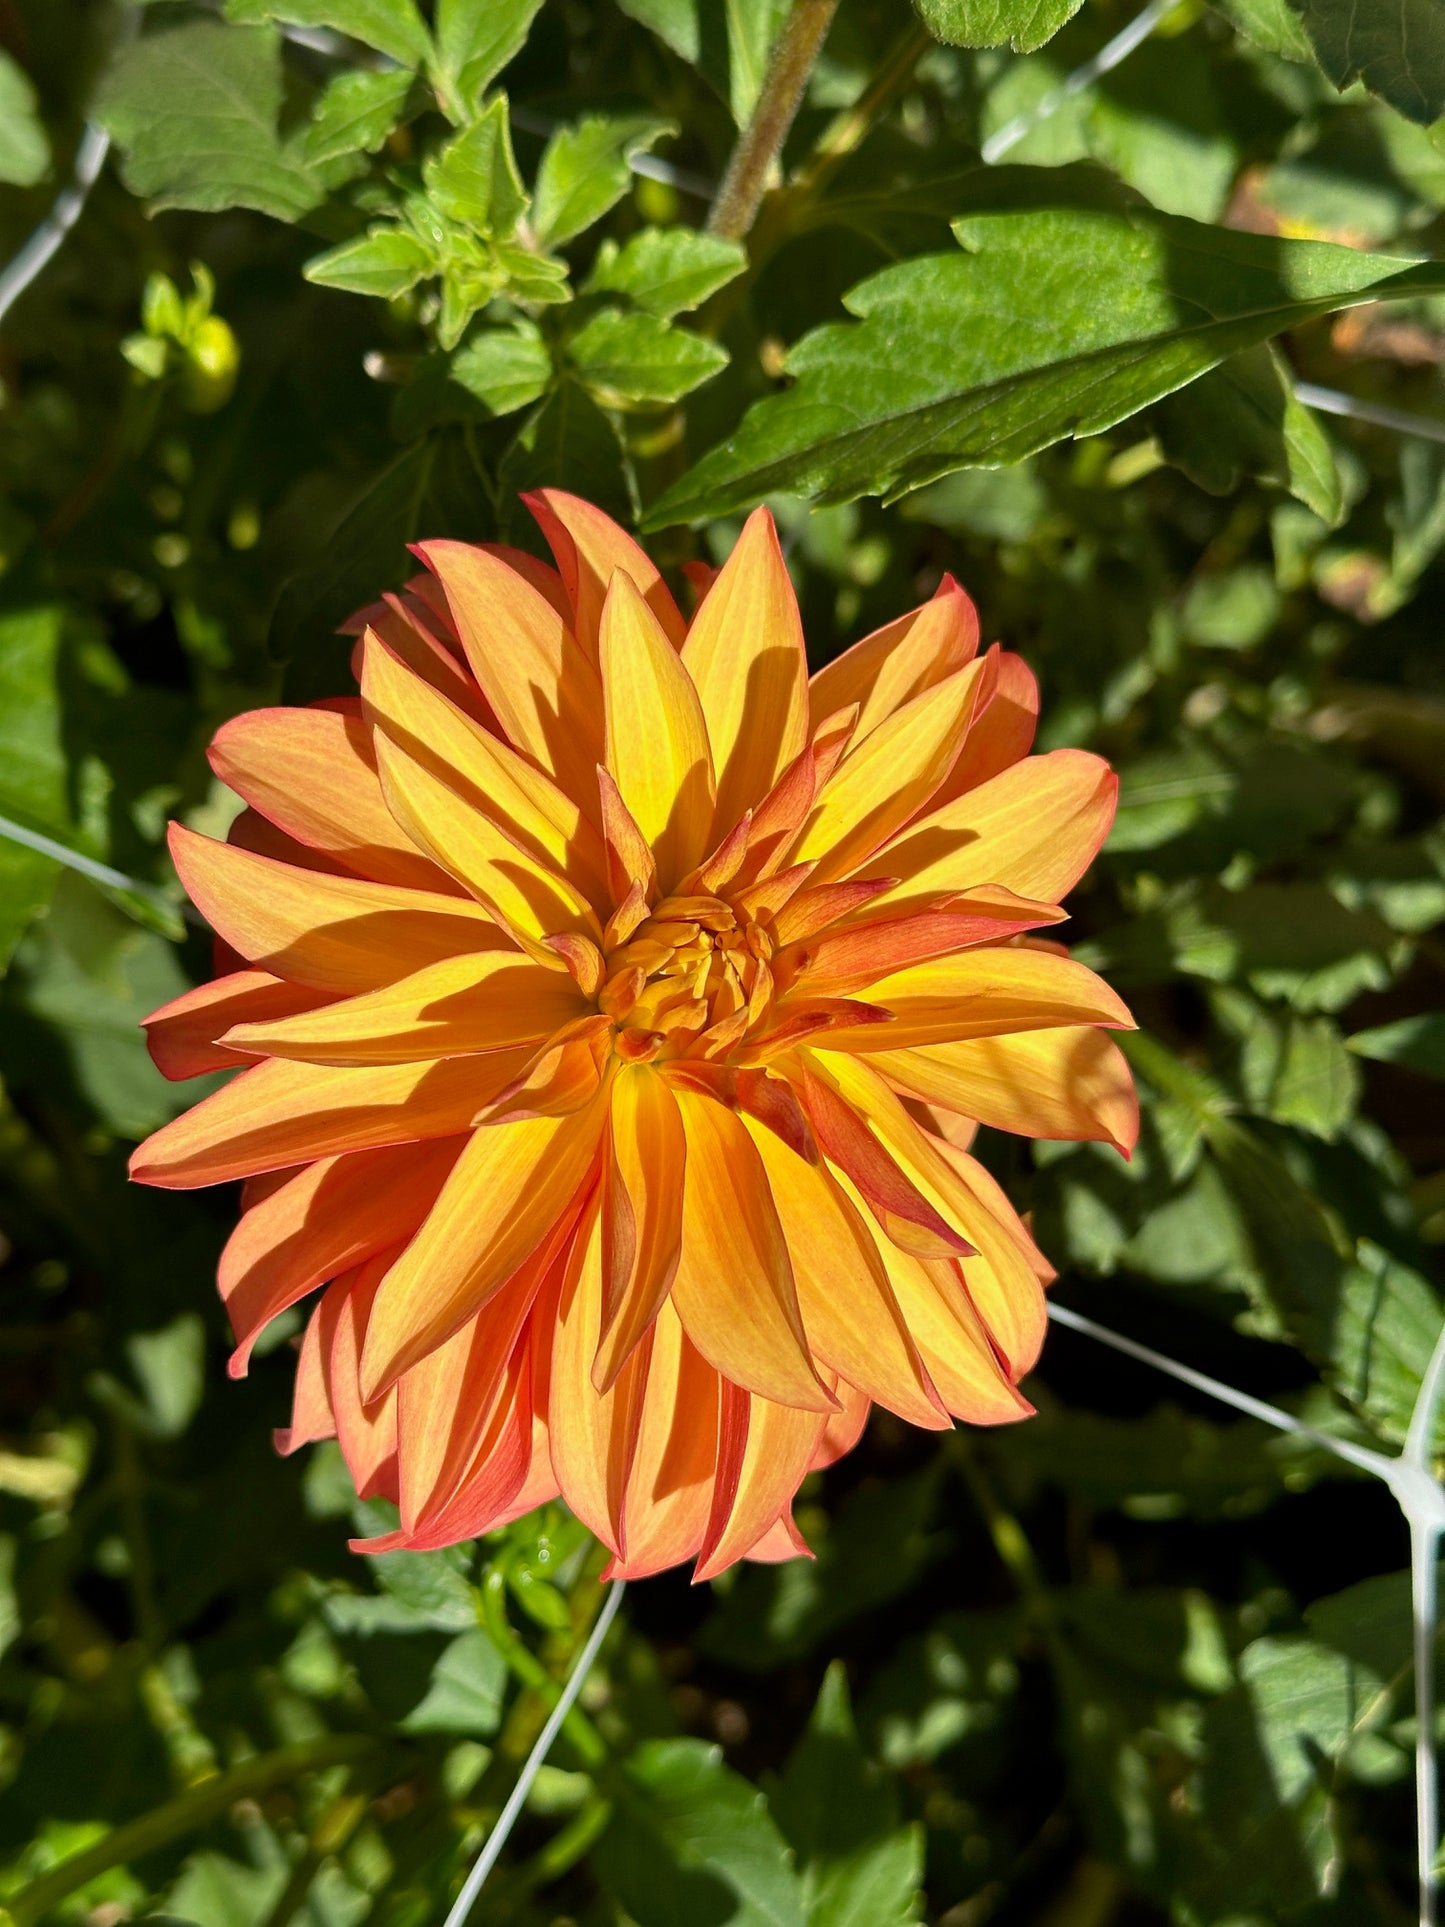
624,1005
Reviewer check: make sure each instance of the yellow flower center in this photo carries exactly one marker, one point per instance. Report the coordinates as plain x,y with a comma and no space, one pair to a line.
692,965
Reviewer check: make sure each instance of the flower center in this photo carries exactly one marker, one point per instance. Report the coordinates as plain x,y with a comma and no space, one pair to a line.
693,974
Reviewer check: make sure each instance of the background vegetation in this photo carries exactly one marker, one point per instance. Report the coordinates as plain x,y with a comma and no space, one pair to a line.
1132,1662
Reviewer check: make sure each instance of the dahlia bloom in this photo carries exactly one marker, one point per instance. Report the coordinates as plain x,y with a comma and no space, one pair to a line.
614,1007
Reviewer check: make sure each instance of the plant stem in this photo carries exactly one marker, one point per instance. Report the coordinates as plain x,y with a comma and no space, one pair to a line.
850,128
184,1815
793,55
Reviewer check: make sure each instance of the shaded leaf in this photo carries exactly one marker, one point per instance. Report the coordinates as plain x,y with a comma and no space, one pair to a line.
1396,47
727,43
393,27
666,271
584,171
24,148
1020,24
474,41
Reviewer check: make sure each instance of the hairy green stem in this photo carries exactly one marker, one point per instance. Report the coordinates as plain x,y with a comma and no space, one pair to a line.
746,180
184,1815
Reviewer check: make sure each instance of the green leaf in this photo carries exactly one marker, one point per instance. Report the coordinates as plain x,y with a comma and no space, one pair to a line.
385,261
1416,1042
466,1689
504,368
355,114
691,1841
393,27
569,443
1020,24
584,171
666,271
860,1867
1396,47
474,179
728,43
474,41
194,111
170,1367
24,148
1243,418
1270,24
1048,323
33,763
639,361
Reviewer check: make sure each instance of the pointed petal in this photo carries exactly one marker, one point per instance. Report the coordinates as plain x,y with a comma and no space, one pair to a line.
480,767
630,862
593,1434
540,685
312,773
953,1341
1002,1278
852,1321
506,1193
855,956
734,1289
1035,828
453,1410
407,627
984,993
499,1481
182,1035
1002,732
897,663
486,1002
332,932
529,899
745,655
642,1193
844,1428
884,781
590,548
669,1487
331,1215
1071,1083
558,1079
281,1114
657,747
311,1416
778,1443
366,1434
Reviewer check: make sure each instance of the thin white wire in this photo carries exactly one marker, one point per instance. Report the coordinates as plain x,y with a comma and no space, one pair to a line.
72,859
507,1819
1333,401
1108,57
1422,1500
43,243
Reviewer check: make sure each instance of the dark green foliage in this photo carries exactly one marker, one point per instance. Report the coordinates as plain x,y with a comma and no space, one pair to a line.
362,271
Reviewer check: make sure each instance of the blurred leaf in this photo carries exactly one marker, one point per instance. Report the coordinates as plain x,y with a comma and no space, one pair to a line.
355,113
638,361
691,1841
24,148
950,1686
385,261
1243,418
170,1366
584,171
1020,24
727,43
860,1867
504,368
465,1694
474,41
32,764
474,179
1049,322
1396,47
1270,24
666,271
393,27
1416,1042
194,111
569,443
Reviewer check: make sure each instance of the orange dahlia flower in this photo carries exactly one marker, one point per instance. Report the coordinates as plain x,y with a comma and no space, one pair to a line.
625,1002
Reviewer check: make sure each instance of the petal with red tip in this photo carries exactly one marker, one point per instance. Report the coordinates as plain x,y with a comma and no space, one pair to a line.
1071,1083
642,1192
590,548
182,1035
898,662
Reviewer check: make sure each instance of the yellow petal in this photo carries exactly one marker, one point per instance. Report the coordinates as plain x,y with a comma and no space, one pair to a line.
641,1213
332,932
744,653
983,993
1035,828
540,685
897,663
479,767
657,747
884,781
764,1453
484,1002
1071,1083
669,1486
527,898
734,1289
590,547
506,1192
849,1313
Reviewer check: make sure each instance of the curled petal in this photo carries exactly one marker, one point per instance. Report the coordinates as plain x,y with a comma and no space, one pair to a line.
183,1035
1071,1083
